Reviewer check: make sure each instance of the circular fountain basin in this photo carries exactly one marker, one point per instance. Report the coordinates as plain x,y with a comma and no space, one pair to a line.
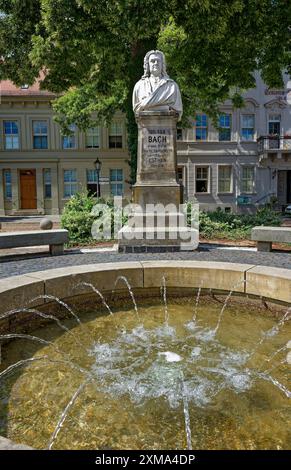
202,371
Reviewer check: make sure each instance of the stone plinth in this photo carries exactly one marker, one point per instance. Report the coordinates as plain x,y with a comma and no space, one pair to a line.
156,178
157,224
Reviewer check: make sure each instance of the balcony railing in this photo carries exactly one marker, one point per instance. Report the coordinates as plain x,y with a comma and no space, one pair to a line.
273,142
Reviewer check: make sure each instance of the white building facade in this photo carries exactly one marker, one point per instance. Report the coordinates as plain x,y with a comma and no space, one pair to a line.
247,162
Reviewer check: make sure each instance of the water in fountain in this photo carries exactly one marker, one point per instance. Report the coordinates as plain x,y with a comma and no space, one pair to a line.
194,318
88,284
47,359
44,316
145,388
271,332
277,352
164,293
125,280
60,302
66,411
186,413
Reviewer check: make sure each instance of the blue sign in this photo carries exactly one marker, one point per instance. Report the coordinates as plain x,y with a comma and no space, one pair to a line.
241,200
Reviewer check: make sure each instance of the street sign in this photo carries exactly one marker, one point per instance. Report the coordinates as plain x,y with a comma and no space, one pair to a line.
103,180
242,200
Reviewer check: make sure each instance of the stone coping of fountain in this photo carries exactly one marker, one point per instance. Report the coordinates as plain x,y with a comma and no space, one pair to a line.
263,281
267,282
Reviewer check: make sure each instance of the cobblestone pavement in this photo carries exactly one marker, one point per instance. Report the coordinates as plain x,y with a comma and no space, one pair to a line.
40,263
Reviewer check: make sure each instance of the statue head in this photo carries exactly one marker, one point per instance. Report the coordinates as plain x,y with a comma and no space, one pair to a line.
147,65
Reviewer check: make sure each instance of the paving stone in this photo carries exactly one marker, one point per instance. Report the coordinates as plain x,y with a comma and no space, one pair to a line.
28,265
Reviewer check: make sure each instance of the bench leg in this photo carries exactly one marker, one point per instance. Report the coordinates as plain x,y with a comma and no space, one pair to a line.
264,246
57,249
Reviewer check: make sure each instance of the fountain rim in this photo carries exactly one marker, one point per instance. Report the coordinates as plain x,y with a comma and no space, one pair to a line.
267,282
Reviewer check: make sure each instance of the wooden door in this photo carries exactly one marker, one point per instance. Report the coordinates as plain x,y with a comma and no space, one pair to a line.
28,189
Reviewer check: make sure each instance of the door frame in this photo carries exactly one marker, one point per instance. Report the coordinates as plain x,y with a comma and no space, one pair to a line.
33,171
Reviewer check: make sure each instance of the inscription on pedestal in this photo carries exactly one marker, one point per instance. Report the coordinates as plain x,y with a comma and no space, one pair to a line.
157,146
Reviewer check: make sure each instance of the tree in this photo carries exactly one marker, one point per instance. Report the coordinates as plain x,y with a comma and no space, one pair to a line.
92,51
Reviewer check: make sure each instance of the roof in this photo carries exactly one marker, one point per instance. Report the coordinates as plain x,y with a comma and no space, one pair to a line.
7,88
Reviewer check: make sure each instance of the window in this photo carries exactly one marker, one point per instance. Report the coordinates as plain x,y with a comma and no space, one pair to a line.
248,127
116,182
180,171
201,127
179,133
224,179
40,134
7,184
69,141
248,176
93,138
47,183
274,124
274,128
224,127
115,136
202,179
92,182
70,183
11,135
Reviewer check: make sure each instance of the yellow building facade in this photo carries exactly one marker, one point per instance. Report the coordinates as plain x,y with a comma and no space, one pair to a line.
40,169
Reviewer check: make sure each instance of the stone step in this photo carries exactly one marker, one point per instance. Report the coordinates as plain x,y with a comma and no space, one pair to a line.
27,212
159,236
158,219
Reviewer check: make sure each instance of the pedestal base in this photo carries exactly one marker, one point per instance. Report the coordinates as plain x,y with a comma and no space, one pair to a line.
157,239
157,194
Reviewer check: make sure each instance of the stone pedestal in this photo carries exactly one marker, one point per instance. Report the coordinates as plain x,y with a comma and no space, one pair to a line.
156,178
157,224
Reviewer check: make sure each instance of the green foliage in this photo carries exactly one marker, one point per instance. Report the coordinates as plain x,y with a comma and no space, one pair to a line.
219,224
92,51
82,210
77,217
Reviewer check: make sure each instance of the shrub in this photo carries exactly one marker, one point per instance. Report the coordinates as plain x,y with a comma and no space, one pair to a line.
77,217
219,224
79,214
266,216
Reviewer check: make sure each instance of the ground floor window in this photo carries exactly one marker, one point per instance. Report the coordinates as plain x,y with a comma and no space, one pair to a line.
179,133
47,182
116,182
248,179
224,179
202,179
7,184
92,186
70,183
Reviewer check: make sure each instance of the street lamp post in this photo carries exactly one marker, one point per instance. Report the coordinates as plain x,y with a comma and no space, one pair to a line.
98,165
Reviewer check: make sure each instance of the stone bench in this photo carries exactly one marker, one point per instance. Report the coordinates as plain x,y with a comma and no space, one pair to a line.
54,238
265,236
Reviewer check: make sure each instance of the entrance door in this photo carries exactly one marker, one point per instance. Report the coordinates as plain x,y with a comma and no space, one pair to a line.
28,189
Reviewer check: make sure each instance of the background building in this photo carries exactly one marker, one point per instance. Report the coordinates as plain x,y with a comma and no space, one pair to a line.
248,161
40,169
238,168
